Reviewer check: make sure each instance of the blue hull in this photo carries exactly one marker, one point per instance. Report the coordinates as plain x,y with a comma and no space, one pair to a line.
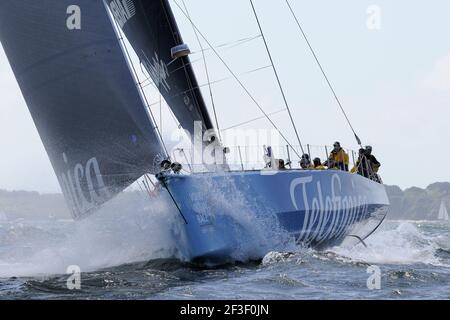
318,208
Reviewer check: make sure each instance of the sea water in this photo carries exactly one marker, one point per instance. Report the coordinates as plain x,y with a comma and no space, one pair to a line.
132,255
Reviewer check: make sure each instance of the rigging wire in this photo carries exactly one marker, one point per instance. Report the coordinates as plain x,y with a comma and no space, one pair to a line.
253,120
206,71
190,79
278,78
177,123
121,39
174,201
358,140
215,81
231,44
212,82
148,81
238,80
160,113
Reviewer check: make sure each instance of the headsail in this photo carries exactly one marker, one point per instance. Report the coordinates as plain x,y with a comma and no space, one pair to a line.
151,29
81,95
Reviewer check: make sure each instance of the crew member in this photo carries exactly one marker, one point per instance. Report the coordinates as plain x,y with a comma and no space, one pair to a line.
305,162
362,165
281,164
374,163
339,157
318,164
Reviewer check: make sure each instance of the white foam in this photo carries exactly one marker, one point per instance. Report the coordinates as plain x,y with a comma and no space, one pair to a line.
395,243
274,257
113,237
133,231
258,231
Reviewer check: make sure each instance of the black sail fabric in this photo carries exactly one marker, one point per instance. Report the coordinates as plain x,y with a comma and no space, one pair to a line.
152,31
83,99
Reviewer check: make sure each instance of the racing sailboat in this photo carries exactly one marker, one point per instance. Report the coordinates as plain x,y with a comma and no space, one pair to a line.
3,217
92,116
443,213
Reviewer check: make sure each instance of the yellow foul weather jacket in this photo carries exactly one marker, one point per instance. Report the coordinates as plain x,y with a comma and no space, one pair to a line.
340,156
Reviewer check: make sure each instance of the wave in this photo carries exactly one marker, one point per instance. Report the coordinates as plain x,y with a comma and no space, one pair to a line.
130,229
395,243
137,229
122,232
401,243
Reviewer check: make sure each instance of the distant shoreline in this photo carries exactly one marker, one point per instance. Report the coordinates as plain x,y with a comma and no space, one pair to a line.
409,204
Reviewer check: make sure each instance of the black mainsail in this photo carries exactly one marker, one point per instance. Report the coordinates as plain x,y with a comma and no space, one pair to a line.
83,99
152,31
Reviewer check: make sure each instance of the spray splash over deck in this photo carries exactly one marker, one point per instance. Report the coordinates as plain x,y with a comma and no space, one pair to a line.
130,229
257,230
123,232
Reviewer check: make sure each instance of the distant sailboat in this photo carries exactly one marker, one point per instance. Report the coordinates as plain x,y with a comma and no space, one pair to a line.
3,217
443,214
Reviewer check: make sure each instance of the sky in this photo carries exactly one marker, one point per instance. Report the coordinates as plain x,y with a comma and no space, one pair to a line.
389,62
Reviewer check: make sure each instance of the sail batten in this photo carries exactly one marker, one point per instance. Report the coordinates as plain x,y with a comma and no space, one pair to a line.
152,31
82,97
